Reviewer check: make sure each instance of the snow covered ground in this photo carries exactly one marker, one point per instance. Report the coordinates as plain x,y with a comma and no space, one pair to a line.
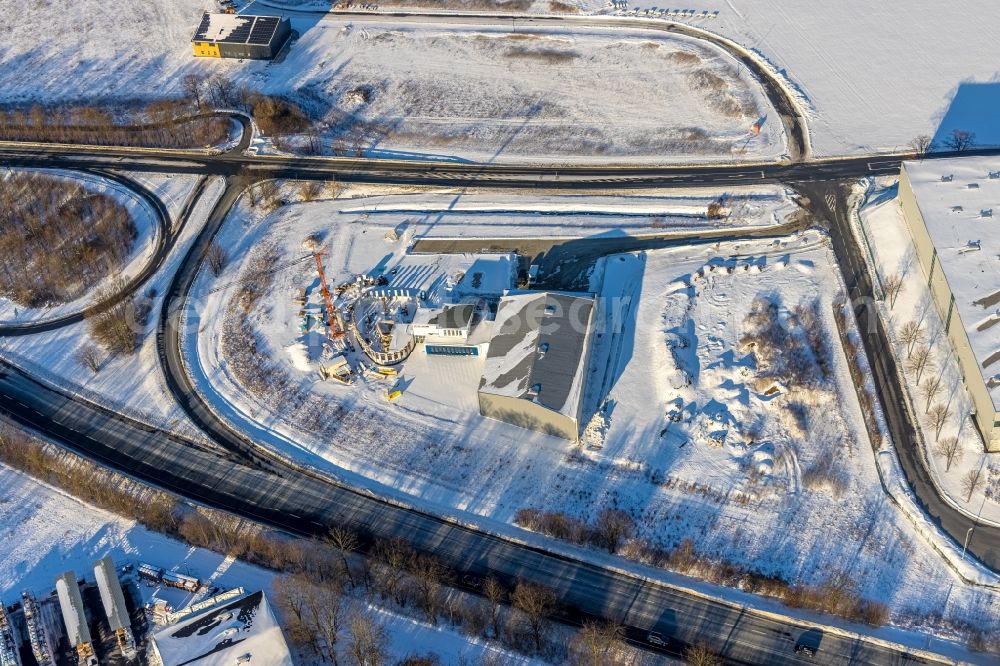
622,93
44,532
875,74
170,191
894,251
864,68
132,385
763,462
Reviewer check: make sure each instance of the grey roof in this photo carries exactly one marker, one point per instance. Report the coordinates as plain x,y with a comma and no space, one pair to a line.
539,345
237,29
112,596
71,604
454,316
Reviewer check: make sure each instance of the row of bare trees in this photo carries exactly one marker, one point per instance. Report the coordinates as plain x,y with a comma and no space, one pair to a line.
161,124
958,140
920,360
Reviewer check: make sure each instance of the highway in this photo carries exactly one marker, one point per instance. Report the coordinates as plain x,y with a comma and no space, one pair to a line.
305,504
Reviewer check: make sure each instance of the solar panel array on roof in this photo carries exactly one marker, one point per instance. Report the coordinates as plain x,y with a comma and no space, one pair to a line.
263,30
240,34
237,29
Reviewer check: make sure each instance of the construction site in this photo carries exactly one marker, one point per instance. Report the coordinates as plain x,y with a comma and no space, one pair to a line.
79,623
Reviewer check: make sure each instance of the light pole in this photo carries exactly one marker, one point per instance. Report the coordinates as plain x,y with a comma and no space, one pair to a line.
968,533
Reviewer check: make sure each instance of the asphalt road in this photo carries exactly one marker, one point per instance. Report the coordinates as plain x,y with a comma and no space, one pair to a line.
163,241
305,504
829,201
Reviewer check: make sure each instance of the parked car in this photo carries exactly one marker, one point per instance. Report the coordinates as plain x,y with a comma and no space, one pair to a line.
804,650
655,638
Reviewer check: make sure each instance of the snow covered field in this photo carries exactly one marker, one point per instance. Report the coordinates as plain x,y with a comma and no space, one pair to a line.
394,87
876,74
698,431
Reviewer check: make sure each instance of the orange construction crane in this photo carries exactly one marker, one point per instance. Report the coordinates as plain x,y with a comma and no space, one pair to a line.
333,329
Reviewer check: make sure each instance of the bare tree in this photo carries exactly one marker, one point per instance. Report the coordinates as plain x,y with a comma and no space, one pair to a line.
269,194
960,140
392,557
310,190
921,358
89,356
948,449
929,388
937,417
971,482
334,188
612,527
290,596
595,643
495,594
910,334
892,285
429,574
344,541
192,85
115,328
325,612
922,145
217,258
368,642
536,602
701,655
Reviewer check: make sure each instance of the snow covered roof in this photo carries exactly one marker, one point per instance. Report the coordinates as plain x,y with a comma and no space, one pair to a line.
71,604
112,596
236,28
539,346
221,635
959,200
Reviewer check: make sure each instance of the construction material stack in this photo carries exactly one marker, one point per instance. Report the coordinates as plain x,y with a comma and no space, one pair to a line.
8,645
71,604
41,648
113,600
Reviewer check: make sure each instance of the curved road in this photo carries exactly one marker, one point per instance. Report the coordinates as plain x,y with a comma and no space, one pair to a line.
984,541
775,89
237,477
164,242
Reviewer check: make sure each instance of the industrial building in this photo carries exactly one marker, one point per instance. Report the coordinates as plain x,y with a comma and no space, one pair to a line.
243,631
536,367
75,618
240,36
452,330
113,600
948,206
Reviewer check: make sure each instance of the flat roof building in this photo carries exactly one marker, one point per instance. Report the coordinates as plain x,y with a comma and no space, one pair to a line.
243,631
949,209
240,36
536,367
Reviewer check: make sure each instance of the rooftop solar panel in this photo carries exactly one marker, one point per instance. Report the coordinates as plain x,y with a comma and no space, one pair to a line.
236,29
263,30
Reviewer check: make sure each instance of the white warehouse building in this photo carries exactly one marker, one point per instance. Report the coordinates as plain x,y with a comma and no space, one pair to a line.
952,209
536,367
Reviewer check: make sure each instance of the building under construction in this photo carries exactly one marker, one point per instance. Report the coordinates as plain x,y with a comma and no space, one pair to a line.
113,600
75,618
